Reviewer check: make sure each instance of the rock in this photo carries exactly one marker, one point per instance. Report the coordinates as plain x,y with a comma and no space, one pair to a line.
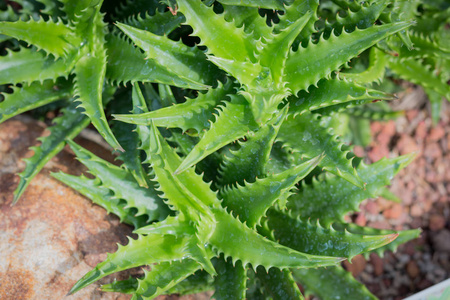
377,264
441,240
378,152
359,151
436,133
360,219
437,222
416,210
432,151
412,269
421,131
356,266
50,232
406,144
393,212
372,208
53,235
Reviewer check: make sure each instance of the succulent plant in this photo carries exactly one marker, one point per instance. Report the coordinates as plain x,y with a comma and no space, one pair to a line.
244,185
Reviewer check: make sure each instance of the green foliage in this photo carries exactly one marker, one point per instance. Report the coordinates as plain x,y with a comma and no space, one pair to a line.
248,92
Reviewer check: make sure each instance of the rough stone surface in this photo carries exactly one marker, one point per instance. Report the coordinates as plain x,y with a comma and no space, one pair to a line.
53,235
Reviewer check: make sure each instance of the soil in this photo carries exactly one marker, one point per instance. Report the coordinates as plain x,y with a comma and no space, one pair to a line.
423,187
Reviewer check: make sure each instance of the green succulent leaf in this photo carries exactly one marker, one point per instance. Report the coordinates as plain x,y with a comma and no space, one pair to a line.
161,23
274,49
127,63
270,4
332,92
162,277
66,127
247,17
145,250
332,283
231,280
319,240
249,162
304,136
102,196
186,192
57,39
39,67
403,235
193,114
374,72
308,65
222,38
232,123
232,238
419,73
127,286
33,96
329,200
129,139
187,63
122,183
90,75
279,284
251,201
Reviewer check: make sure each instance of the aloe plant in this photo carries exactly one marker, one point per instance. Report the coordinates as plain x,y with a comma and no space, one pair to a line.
232,175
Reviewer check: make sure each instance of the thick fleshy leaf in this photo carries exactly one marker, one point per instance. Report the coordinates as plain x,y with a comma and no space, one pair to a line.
232,238
127,286
332,92
331,199
419,73
81,11
102,196
270,4
307,138
403,235
33,96
171,225
126,63
308,65
332,283
279,284
249,162
249,17
123,184
275,49
145,250
312,238
162,277
222,38
232,123
199,282
231,280
374,72
161,23
128,138
192,114
251,201
90,76
186,62
363,18
186,192
66,127
38,66
54,38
